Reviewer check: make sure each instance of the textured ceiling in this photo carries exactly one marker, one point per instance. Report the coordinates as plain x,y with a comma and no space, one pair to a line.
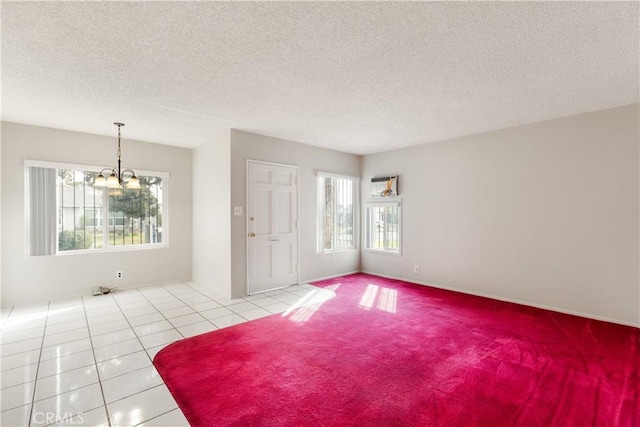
353,76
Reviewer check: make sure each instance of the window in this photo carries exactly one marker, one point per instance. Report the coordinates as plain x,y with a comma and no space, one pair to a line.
67,213
337,212
382,227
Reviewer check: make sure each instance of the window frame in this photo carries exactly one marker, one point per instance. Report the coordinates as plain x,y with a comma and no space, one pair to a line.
320,205
376,203
165,176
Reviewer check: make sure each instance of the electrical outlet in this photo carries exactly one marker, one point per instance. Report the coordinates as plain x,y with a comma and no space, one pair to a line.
237,210
416,269
118,274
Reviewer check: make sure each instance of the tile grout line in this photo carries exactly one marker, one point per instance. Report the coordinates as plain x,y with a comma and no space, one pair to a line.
7,318
35,380
205,319
177,408
127,373
67,418
212,299
191,307
147,354
132,327
176,296
56,333
159,415
22,366
95,363
165,318
137,337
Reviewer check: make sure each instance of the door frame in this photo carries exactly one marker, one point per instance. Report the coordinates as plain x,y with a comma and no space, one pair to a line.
246,222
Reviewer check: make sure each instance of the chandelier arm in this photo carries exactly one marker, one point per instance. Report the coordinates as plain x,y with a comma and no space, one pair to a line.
128,171
107,169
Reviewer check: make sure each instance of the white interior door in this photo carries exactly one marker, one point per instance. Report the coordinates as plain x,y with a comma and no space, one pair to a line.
272,225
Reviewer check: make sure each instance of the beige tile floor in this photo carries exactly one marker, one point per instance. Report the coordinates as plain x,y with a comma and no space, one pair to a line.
88,360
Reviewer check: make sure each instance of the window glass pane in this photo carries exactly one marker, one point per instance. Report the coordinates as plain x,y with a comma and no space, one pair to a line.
77,198
383,227
344,213
338,209
329,213
83,217
135,216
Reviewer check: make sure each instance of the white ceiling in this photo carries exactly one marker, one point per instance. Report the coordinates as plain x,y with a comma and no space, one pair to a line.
358,77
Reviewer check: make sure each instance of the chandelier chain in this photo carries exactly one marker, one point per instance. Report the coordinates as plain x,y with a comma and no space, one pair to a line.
118,176
119,149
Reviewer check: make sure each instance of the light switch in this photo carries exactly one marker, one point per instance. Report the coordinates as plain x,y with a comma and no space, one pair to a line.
237,210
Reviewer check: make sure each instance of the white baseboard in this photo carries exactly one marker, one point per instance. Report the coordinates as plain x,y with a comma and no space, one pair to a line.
515,301
331,277
148,285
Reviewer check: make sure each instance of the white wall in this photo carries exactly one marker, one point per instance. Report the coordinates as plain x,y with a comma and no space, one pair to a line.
546,214
310,160
32,279
212,213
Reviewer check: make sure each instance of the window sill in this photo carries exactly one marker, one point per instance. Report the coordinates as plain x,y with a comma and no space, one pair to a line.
334,251
113,249
383,252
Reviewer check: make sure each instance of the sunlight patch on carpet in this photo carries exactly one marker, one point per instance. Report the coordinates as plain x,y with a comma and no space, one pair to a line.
304,308
387,299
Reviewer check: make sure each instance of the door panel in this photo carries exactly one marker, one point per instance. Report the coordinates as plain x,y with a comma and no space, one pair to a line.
264,252
262,201
284,252
285,210
284,178
272,213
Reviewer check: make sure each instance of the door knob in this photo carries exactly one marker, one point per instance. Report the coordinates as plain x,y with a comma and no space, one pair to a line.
252,234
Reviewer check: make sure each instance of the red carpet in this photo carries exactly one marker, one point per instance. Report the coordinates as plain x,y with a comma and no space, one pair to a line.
382,352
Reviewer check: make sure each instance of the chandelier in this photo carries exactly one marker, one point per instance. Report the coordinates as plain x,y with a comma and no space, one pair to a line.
118,176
